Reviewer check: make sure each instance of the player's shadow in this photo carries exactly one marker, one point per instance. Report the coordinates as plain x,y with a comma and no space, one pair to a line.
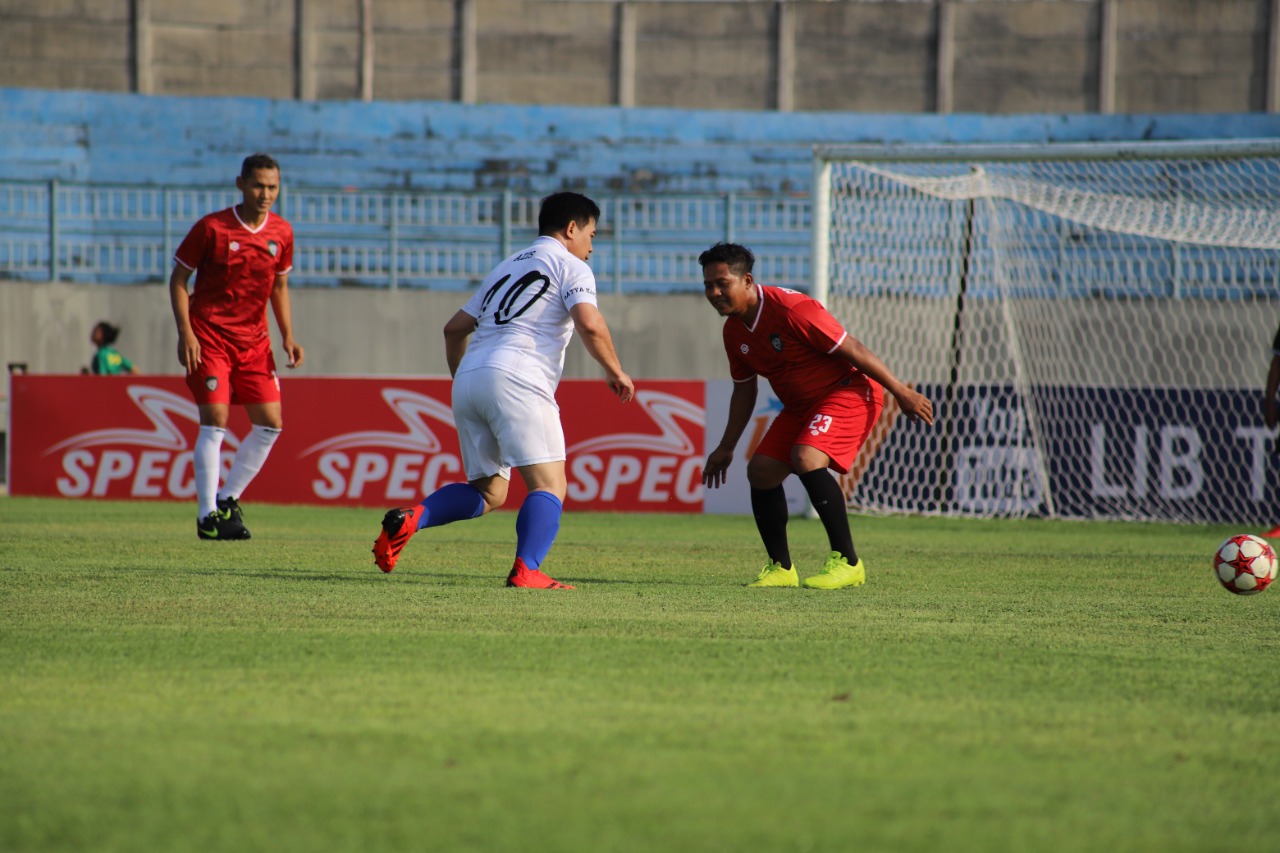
339,576
637,582
448,578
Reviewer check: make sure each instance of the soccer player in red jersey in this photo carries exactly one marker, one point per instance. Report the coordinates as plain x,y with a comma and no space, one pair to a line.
241,258
1271,408
832,390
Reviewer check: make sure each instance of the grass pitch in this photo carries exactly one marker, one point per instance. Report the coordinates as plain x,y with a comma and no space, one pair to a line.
996,686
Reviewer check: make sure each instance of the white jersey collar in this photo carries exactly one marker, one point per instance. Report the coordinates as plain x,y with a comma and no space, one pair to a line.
751,327
235,211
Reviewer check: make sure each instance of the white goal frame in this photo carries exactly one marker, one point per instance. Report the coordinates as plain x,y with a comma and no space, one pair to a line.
825,155
1257,313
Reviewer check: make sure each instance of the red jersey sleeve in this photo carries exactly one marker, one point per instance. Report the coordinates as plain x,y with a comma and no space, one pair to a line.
284,264
193,247
815,325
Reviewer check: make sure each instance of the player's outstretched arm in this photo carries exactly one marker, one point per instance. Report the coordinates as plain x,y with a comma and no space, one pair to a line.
594,331
741,404
914,405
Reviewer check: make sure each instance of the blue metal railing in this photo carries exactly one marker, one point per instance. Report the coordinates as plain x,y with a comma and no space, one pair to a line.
121,234
117,234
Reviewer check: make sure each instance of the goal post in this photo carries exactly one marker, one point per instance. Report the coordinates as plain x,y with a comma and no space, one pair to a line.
1093,323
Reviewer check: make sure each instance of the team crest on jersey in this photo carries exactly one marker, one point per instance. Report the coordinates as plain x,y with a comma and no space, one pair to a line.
776,343
273,248
211,383
745,349
235,246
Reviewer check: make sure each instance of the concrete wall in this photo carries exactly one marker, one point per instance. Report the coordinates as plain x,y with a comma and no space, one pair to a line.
1027,57
867,57
1208,52
991,56
346,332
1155,343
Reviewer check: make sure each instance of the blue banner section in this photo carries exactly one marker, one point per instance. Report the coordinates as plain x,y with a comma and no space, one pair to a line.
1172,454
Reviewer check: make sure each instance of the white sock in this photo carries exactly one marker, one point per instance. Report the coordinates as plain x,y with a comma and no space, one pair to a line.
206,459
249,460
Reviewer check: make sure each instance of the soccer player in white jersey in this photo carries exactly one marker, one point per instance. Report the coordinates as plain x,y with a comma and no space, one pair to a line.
505,350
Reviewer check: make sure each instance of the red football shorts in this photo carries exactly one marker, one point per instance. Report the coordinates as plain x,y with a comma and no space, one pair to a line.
231,372
837,425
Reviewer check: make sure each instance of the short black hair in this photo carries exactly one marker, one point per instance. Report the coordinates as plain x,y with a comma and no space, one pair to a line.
254,162
738,257
109,333
559,209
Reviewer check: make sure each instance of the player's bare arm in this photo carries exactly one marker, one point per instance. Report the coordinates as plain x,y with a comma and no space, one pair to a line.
914,405
594,331
180,301
284,319
742,402
456,334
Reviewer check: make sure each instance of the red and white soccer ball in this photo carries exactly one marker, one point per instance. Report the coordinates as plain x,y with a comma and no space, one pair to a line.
1245,564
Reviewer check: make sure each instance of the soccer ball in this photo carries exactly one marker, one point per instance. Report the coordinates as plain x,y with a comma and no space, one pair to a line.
1245,564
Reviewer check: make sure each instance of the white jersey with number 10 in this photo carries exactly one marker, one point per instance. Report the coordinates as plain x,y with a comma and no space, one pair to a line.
522,312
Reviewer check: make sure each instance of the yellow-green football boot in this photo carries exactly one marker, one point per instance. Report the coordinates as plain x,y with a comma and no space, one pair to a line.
837,574
774,575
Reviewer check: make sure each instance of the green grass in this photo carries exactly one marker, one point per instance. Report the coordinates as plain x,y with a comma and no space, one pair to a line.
1004,685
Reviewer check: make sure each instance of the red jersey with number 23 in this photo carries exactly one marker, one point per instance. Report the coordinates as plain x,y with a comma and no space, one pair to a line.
791,342
236,269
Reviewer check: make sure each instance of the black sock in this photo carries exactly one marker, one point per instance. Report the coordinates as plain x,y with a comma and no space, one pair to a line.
828,502
770,508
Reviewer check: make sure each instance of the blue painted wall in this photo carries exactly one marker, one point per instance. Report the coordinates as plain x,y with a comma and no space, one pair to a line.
108,138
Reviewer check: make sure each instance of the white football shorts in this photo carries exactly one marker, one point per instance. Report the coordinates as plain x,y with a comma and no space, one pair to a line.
504,422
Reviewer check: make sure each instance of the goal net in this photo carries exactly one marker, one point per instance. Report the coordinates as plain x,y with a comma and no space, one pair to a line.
1092,322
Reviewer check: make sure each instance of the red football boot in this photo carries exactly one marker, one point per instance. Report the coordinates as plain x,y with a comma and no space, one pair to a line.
1273,533
397,526
526,578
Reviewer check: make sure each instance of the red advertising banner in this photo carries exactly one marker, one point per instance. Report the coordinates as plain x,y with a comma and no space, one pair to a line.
376,442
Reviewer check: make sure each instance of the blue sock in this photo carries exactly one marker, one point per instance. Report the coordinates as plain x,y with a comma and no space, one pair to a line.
454,502
536,527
